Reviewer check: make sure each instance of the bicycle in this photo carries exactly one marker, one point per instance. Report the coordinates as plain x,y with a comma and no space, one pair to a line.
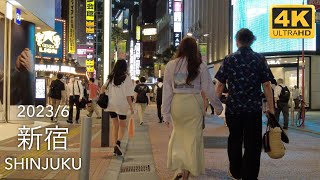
298,119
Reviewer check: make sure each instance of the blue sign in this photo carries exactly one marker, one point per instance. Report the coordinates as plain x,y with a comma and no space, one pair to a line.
18,16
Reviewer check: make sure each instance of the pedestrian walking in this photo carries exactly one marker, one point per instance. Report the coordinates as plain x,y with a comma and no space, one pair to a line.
119,88
296,96
244,71
94,92
56,93
185,78
142,98
282,97
75,93
158,91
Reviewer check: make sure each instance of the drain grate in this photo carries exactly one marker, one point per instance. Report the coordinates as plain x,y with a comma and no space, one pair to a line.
135,168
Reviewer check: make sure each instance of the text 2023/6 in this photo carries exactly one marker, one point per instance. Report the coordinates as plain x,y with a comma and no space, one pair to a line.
40,111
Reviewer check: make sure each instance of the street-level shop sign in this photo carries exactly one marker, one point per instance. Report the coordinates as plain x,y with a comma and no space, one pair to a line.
18,16
292,21
54,68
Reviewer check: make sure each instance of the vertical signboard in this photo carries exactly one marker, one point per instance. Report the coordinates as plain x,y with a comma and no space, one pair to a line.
138,33
177,22
90,31
132,62
137,60
18,16
170,7
90,16
71,28
126,19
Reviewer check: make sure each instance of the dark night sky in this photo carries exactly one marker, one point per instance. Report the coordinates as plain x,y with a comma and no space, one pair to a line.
149,10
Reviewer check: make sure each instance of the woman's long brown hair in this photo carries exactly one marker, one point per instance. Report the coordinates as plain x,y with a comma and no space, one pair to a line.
188,49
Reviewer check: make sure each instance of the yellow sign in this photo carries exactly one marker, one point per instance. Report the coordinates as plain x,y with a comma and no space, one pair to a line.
89,30
71,28
292,21
90,10
138,32
90,69
89,23
89,62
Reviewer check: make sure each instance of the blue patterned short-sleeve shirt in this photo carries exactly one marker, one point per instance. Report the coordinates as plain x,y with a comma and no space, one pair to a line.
244,71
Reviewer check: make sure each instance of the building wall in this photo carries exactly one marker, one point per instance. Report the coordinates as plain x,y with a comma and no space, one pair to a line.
164,28
315,85
209,17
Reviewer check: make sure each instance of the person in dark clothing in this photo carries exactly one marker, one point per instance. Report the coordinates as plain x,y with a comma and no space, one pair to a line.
244,71
142,98
56,93
158,91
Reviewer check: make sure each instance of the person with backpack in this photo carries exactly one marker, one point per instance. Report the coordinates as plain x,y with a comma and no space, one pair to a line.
56,94
142,98
158,90
282,97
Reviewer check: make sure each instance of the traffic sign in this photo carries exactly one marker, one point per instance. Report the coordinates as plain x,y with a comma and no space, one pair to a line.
292,21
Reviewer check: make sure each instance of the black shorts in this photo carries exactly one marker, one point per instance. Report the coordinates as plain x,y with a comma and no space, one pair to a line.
115,115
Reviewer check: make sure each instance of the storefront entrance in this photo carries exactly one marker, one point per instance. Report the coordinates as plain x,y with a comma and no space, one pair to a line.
289,69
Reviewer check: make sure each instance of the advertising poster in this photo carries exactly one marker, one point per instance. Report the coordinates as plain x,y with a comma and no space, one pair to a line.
22,87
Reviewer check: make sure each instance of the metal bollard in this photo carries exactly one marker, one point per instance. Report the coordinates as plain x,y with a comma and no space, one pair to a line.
85,147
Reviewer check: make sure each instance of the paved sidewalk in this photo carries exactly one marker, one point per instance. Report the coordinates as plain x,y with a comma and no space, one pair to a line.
100,157
300,162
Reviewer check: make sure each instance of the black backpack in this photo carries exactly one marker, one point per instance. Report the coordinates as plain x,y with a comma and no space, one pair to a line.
159,94
142,94
284,95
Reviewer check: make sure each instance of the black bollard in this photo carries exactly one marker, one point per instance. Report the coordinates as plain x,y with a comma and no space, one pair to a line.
105,129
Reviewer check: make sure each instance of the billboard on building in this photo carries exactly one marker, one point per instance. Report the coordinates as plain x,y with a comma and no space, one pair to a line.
50,43
254,15
71,27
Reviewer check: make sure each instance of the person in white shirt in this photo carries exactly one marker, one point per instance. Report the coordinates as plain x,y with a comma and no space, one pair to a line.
75,93
295,96
119,89
158,91
282,97
184,79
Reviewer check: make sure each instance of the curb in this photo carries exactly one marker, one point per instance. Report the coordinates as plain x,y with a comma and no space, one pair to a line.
114,167
304,130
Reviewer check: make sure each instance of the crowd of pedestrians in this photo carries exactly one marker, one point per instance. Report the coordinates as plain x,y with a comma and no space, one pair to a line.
182,97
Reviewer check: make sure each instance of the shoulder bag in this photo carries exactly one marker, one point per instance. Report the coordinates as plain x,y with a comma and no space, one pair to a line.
103,100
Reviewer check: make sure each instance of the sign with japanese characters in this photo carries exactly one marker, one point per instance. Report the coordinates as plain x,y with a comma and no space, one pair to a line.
71,27
90,10
170,7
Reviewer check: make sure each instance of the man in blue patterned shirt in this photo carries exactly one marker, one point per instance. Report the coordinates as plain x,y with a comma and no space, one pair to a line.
244,71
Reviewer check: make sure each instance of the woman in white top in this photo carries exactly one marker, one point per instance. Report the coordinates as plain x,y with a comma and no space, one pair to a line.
185,78
119,88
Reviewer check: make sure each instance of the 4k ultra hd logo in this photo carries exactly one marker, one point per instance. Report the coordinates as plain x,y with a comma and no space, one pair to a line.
292,21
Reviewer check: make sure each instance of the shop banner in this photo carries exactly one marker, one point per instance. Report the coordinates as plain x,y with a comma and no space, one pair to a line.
71,27
90,10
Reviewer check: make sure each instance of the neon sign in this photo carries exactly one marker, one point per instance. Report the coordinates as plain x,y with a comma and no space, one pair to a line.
48,42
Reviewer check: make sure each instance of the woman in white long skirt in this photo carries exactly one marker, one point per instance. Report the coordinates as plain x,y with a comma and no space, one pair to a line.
185,77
